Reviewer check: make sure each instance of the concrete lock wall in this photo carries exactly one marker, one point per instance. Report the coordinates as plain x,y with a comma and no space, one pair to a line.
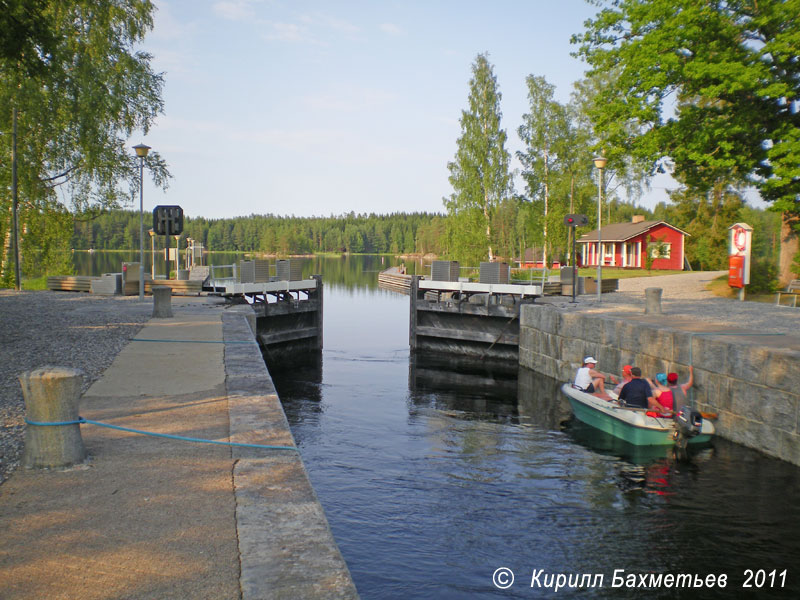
754,388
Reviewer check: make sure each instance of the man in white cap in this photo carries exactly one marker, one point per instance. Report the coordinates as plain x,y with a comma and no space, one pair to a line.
590,381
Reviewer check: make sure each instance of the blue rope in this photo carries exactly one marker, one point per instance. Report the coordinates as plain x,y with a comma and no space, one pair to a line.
81,420
192,341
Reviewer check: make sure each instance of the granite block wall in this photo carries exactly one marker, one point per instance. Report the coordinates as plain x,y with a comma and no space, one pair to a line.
755,389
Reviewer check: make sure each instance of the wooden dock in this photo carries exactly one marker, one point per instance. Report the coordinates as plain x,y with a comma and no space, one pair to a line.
392,279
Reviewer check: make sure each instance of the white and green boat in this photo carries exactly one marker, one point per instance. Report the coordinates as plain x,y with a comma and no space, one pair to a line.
630,424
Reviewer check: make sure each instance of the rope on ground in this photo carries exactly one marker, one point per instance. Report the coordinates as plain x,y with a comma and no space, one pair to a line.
81,421
193,341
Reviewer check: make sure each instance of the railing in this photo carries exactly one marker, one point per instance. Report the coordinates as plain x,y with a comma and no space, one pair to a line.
234,269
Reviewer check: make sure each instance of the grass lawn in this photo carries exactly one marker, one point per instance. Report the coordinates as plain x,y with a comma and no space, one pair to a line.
719,287
608,273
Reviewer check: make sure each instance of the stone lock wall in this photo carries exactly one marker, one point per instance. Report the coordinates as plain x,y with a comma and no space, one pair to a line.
754,387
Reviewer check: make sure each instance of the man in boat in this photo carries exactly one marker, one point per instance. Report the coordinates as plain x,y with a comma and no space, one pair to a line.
590,381
679,391
637,393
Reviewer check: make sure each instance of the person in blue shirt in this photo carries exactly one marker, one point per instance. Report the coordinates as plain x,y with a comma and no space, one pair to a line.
637,393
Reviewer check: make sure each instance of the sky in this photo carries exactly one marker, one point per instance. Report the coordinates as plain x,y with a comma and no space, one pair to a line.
318,108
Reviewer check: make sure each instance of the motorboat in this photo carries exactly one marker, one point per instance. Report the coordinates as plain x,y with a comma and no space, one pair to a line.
634,425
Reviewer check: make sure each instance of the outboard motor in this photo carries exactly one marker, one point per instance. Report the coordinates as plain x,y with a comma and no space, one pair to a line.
688,423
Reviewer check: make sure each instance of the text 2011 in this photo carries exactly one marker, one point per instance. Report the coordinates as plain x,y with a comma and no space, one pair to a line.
762,578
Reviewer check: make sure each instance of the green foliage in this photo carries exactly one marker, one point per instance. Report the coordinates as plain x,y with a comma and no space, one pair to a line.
796,264
479,173
711,89
732,69
418,232
71,72
763,276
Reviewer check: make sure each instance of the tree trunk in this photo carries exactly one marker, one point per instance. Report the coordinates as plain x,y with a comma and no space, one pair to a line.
546,198
789,247
488,225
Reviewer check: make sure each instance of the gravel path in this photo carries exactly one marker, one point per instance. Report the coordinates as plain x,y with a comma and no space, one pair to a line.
66,329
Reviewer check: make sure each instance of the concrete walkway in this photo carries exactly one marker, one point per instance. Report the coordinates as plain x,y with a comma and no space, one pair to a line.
150,517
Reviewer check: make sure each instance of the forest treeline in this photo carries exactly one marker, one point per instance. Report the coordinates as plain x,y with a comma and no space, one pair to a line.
706,221
397,233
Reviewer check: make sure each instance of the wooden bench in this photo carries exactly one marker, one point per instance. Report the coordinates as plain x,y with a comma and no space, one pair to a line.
69,283
793,290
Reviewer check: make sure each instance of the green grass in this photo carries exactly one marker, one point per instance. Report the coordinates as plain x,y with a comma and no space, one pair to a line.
608,273
719,287
35,283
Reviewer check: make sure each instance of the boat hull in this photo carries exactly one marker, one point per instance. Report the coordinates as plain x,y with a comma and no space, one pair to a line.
632,426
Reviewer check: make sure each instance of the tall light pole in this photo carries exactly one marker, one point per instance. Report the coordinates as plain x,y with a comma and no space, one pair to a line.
600,164
141,152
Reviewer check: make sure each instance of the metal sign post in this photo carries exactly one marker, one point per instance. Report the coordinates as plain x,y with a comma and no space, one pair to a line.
573,221
167,221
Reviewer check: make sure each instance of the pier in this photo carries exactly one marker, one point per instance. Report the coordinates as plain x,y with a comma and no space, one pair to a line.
149,517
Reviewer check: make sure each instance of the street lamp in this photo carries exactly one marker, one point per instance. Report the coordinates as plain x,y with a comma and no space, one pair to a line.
600,164
141,152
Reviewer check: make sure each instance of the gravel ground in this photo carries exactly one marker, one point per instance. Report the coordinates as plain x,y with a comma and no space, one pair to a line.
67,329
685,295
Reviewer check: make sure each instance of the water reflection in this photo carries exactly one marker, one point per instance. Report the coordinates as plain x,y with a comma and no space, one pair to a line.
463,388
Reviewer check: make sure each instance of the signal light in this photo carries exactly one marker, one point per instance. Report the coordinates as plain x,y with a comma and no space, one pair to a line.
576,220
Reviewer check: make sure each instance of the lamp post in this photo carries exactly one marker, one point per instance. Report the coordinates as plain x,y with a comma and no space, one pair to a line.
141,152
600,164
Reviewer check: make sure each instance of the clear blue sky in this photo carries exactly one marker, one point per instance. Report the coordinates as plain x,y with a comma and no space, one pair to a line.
326,107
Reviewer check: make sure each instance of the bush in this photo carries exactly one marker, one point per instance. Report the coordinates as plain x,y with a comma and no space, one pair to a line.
763,276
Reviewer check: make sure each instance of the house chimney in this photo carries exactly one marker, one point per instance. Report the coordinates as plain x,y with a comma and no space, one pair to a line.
637,218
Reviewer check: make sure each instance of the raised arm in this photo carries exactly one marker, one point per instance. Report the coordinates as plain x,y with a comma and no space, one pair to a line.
685,386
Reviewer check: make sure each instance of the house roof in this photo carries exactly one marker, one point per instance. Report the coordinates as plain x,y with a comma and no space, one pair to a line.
622,232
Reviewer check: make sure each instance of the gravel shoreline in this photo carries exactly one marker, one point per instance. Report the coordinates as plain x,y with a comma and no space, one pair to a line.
68,329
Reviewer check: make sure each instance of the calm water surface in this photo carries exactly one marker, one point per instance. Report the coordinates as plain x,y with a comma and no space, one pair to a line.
433,476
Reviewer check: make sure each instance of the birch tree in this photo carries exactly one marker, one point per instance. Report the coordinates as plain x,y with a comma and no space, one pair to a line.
479,173
76,87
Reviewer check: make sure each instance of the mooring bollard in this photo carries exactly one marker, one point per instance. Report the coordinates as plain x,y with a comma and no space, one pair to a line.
52,395
652,301
162,301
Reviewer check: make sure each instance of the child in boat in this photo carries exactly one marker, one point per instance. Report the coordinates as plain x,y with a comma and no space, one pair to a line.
663,394
626,377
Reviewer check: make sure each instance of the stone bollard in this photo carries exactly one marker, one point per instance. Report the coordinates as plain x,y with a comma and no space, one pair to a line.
52,395
162,301
652,301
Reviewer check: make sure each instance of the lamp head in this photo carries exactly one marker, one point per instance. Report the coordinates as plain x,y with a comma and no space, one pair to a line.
141,150
600,162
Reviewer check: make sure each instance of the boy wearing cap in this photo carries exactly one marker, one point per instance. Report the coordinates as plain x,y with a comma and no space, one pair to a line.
591,381
626,377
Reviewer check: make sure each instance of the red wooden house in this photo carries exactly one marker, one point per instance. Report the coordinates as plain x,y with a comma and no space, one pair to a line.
533,259
627,245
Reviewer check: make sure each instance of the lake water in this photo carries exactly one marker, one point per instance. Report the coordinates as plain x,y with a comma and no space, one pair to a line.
433,475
